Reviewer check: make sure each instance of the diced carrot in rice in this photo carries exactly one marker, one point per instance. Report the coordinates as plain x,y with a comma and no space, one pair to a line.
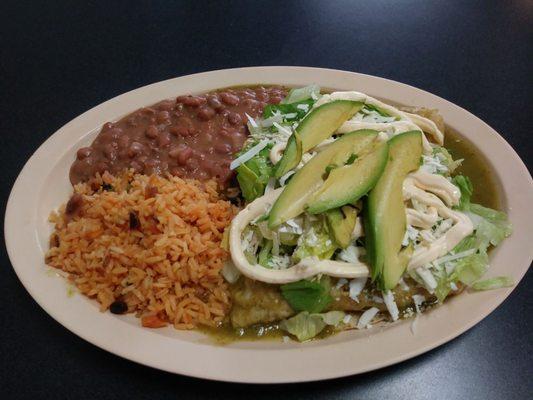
153,321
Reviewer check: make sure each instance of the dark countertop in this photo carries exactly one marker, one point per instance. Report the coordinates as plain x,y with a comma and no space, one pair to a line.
60,58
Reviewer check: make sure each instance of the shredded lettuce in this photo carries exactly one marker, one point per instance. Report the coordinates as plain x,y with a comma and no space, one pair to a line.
295,106
308,296
297,95
446,158
493,283
264,255
490,228
470,269
315,241
291,112
306,326
278,121
465,186
230,272
443,285
254,174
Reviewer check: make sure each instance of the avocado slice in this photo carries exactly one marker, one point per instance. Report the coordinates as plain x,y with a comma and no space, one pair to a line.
341,223
347,184
384,212
316,127
292,200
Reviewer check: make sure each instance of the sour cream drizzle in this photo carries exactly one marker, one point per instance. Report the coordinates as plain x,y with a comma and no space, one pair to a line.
425,188
306,268
434,191
406,122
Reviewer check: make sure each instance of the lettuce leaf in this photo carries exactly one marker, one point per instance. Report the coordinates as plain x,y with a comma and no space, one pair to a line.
491,226
306,326
465,185
298,112
294,103
467,270
468,243
298,95
307,295
230,272
493,283
446,158
443,286
254,174
264,254
471,268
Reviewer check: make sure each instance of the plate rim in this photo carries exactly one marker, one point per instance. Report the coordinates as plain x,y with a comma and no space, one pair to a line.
204,371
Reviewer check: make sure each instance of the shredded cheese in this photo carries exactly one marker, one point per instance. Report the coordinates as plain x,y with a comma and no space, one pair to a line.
392,307
249,154
366,317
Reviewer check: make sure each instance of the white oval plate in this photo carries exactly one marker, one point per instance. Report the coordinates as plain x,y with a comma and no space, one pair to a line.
43,185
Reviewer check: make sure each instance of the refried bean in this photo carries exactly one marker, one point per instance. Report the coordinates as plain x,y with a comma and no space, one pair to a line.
191,136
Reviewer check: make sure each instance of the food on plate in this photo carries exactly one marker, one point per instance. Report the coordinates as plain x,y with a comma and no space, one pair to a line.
148,245
263,211
191,136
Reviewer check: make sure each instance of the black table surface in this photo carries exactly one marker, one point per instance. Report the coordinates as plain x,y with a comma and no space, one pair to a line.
60,58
